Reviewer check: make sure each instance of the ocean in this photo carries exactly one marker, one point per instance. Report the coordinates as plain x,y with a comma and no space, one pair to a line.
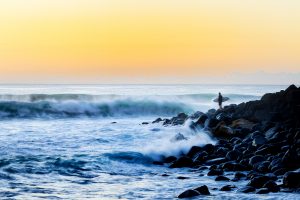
90,142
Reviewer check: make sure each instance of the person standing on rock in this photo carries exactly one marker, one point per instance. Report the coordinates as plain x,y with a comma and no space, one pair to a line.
220,100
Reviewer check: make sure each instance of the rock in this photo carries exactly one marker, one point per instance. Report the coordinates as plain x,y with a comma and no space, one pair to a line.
201,157
242,123
239,176
209,148
202,120
182,162
193,151
223,131
157,120
256,159
188,194
179,119
222,178
196,115
259,140
215,172
203,190
247,189
263,191
272,186
233,166
259,181
178,137
233,155
145,123
227,188
291,179
210,123
182,177
170,159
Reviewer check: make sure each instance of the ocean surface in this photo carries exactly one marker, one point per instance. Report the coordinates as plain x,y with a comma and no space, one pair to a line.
88,141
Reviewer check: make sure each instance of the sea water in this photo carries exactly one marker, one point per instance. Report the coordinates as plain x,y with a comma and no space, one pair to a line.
88,141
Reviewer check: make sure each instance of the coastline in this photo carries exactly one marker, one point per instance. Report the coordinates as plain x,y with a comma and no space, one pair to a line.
259,141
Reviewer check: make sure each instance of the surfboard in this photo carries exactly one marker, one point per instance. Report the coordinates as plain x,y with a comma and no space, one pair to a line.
224,99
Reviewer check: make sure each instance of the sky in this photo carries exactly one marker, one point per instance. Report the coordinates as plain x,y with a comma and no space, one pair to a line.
157,41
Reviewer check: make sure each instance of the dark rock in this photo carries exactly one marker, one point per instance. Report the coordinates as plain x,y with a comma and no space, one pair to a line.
233,155
242,123
259,140
233,166
145,123
182,177
215,172
256,159
272,186
203,168
202,120
178,137
263,191
201,157
239,176
157,120
210,123
259,181
193,151
188,194
182,162
227,188
170,159
196,115
203,190
209,148
223,131
247,189
222,178
292,179
157,163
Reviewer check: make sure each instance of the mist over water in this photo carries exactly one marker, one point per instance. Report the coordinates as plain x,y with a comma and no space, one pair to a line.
59,142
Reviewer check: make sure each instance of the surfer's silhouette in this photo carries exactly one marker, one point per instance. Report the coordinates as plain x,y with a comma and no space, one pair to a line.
220,100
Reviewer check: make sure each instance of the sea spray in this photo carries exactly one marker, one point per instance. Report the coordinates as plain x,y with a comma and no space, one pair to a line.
168,144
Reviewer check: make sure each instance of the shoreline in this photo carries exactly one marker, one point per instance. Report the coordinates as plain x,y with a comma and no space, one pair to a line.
258,140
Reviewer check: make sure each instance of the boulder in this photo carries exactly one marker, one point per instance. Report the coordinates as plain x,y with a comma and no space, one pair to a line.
259,182
272,186
259,140
223,131
193,151
188,194
227,188
203,190
221,178
215,172
291,179
157,120
182,162
263,191
256,159
247,189
233,155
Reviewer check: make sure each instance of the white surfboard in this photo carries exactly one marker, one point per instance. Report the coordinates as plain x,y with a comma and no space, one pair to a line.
224,99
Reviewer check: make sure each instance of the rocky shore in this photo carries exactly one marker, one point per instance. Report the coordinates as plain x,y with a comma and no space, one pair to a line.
259,141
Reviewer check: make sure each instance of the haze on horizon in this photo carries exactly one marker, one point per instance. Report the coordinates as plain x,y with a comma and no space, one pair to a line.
134,41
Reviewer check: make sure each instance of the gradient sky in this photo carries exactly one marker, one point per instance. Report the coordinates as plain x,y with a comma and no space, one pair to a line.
105,41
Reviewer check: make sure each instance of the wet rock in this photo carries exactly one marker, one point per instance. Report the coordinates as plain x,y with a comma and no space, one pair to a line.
188,194
170,159
145,123
215,172
272,186
179,119
202,120
227,188
233,166
263,191
157,120
256,159
247,189
223,131
193,151
233,155
259,181
209,148
178,137
239,176
203,190
222,178
292,179
182,162
259,140
201,157
242,123
182,177
196,115
210,123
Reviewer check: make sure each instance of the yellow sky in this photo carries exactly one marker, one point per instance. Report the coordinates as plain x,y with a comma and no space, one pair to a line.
139,38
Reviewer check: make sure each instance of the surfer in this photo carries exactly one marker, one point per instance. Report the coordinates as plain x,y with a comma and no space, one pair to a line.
220,100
